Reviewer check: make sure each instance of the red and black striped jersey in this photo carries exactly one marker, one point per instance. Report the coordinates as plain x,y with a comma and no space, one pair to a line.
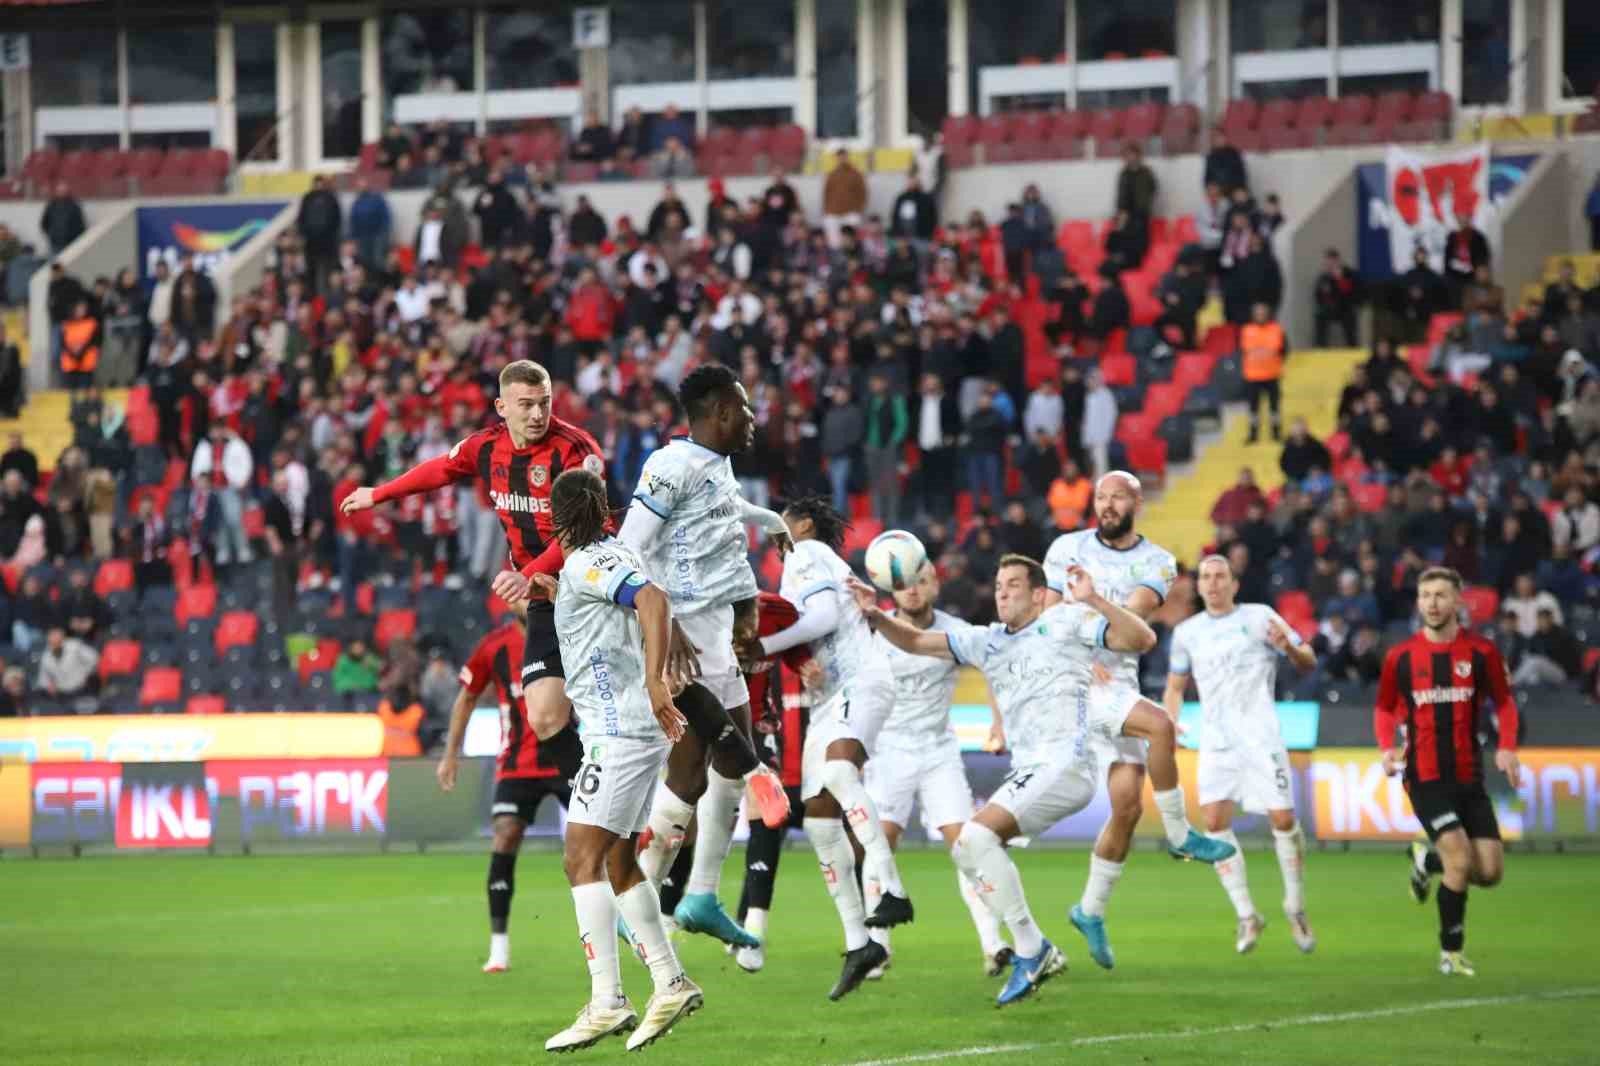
498,659
775,710
517,480
1434,690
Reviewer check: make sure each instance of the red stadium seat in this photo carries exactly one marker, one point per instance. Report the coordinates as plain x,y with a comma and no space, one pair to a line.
1119,369
1295,606
1338,445
1277,114
1316,112
196,601
1194,369
399,622
162,684
1064,138
1105,129
1165,399
120,658
1147,455
114,575
206,705
1180,129
318,660
1482,601
236,629
1136,425
1240,116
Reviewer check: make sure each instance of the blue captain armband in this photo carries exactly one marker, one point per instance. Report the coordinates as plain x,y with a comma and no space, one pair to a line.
627,589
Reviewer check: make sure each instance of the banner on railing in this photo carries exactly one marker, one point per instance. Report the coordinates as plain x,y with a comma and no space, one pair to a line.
1412,198
209,232
189,737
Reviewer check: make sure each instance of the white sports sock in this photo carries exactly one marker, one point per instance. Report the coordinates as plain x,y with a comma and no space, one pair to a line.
641,909
1231,873
1173,818
716,814
596,906
1291,847
1103,877
669,821
871,894
500,948
983,919
838,862
755,922
982,857
841,778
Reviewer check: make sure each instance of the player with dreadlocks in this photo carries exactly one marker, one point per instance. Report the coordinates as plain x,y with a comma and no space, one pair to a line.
615,629
850,704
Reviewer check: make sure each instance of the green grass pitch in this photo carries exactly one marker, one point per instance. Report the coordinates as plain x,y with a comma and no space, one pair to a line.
374,959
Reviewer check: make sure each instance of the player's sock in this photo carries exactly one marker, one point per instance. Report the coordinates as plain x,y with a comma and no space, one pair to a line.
1432,863
717,813
502,885
1174,819
871,896
754,921
564,751
1452,918
841,778
641,909
838,862
1291,845
761,854
982,857
669,821
596,906
500,949
1103,877
983,919
713,724
1231,873
672,885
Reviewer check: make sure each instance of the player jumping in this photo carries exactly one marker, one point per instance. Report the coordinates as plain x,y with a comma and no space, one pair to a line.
616,628
1432,684
918,759
1131,571
850,705
520,781
1232,650
1040,667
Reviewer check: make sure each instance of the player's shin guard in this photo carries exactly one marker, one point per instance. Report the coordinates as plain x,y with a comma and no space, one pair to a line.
1231,872
841,778
837,860
1452,918
761,853
716,813
502,885
1291,848
1103,877
871,896
982,857
641,909
596,907
983,920
669,822
672,885
713,724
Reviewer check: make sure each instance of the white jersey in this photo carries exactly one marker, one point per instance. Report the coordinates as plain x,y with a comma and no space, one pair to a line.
1116,573
1234,668
923,689
701,555
602,646
1040,678
849,649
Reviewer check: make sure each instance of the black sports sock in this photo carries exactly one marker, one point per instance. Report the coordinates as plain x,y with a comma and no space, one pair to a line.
1452,918
673,884
502,885
564,751
712,724
1432,863
761,866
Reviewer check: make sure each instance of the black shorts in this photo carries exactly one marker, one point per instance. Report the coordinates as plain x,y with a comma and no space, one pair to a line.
520,796
1445,805
541,651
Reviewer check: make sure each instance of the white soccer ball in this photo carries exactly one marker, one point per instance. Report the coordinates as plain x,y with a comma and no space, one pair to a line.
894,559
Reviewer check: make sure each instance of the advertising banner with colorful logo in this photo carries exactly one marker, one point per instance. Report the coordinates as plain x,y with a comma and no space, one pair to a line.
206,231
1412,198
190,738
1559,796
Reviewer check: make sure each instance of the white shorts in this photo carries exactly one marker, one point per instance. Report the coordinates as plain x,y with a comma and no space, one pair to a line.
856,712
1256,778
615,783
1109,707
711,630
934,778
1040,795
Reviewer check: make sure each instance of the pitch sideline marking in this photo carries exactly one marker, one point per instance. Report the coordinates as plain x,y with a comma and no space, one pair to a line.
1241,1027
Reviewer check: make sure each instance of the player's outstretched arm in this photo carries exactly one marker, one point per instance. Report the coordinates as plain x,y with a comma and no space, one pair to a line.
460,712
436,473
907,638
769,522
655,619
1172,698
1125,631
1285,640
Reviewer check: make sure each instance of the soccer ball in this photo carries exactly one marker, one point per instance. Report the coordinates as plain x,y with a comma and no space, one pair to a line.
894,559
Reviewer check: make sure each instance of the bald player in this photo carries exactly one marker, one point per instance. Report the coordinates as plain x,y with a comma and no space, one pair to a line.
1133,573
